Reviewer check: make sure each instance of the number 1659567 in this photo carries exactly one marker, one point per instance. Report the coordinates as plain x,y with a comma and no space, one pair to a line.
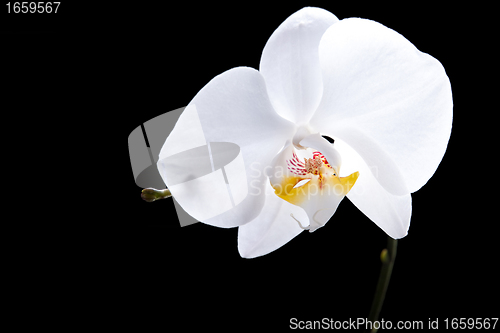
32,7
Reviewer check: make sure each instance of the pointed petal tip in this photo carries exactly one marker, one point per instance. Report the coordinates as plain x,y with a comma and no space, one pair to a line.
290,63
399,235
244,255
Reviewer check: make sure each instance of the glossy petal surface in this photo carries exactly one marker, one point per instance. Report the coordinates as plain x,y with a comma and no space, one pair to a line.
290,63
390,212
273,228
233,108
398,98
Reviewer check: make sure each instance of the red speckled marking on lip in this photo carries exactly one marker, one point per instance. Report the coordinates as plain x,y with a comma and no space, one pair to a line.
296,166
310,165
323,158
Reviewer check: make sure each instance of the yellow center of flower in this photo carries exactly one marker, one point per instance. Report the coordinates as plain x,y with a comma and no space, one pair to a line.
311,177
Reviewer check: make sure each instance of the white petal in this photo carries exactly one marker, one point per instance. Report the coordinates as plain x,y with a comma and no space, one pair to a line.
232,108
290,63
378,83
380,163
273,228
390,212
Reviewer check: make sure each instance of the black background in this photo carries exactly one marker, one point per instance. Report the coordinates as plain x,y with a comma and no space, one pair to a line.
87,76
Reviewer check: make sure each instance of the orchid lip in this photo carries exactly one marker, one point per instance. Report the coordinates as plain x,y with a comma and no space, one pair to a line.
311,229
302,182
300,224
305,178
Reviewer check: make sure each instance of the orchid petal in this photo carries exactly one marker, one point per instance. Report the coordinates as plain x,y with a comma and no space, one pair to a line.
390,212
232,108
398,99
271,229
380,163
290,63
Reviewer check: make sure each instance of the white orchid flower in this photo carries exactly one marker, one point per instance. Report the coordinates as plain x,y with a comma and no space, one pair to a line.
387,106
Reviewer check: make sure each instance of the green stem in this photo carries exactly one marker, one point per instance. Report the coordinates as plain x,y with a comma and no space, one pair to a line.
387,256
151,194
